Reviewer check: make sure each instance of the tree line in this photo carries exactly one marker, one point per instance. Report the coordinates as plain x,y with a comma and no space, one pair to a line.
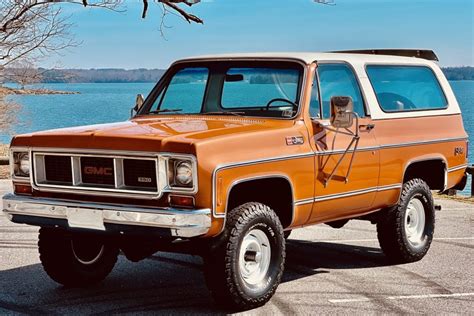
117,75
459,73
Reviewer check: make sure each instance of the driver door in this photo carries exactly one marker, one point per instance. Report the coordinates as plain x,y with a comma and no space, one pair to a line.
353,185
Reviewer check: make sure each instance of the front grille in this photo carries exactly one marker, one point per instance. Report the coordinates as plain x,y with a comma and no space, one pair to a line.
98,174
96,170
58,169
139,173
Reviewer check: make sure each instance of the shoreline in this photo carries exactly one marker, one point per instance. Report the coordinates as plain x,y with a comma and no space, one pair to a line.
4,91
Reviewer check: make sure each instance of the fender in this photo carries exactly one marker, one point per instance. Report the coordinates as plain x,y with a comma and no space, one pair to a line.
258,177
430,157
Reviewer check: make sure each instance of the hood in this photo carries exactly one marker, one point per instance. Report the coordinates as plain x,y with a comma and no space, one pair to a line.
167,133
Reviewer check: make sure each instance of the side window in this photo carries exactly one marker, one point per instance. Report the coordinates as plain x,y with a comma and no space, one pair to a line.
339,80
185,91
406,88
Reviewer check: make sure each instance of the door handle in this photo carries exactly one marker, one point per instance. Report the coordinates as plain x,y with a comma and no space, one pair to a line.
367,127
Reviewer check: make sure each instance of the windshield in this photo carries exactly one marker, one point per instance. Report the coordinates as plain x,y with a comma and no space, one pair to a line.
250,88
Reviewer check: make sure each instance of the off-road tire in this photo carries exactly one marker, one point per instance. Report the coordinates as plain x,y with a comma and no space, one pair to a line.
391,230
221,266
61,264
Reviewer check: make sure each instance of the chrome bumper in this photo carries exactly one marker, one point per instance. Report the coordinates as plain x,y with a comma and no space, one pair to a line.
180,222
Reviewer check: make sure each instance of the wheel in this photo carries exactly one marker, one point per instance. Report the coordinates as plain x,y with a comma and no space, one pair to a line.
74,259
406,232
245,269
287,233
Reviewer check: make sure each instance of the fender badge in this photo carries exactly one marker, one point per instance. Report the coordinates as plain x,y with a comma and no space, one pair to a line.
458,151
294,140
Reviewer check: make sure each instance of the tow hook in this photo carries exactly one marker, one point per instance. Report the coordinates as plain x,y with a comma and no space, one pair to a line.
437,207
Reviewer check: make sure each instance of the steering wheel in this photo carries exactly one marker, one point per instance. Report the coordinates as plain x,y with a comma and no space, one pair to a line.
396,101
267,107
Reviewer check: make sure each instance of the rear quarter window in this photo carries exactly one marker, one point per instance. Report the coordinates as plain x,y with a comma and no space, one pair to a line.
406,88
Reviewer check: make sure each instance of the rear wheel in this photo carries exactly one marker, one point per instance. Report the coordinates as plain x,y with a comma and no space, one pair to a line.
406,232
245,269
74,259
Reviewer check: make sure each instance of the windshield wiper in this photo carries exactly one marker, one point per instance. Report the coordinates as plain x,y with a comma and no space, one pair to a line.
225,113
164,111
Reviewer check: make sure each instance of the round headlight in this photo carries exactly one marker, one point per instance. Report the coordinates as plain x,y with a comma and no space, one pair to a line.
184,173
22,164
25,164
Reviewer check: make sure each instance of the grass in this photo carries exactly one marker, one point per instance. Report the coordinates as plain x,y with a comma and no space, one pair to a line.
457,197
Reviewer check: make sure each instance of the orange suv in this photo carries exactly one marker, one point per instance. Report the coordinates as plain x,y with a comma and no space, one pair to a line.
229,153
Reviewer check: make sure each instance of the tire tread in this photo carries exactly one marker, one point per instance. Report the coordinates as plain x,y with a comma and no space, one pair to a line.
390,230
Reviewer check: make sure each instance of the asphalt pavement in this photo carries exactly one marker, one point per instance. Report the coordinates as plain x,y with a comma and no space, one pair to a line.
328,271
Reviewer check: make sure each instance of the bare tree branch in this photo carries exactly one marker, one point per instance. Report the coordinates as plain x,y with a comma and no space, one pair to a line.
187,16
145,8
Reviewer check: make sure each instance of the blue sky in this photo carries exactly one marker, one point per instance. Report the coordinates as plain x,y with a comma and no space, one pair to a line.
123,40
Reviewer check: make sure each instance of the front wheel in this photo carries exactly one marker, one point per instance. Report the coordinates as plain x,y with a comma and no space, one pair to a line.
245,269
406,232
76,259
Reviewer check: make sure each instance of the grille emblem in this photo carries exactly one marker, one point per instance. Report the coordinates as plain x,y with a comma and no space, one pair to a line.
98,171
144,180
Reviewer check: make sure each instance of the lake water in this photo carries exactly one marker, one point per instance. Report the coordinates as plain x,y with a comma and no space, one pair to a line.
111,102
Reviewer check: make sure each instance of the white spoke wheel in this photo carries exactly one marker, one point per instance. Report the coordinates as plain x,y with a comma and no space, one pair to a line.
415,222
254,257
405,232
245,268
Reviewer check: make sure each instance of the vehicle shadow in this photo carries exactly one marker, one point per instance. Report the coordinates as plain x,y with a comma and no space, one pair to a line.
164,283
305,258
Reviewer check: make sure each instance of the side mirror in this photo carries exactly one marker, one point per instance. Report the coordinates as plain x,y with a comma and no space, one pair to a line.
342,112
138,104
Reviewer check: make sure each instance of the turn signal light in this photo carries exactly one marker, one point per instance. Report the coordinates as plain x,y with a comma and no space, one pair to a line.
23,189
181,201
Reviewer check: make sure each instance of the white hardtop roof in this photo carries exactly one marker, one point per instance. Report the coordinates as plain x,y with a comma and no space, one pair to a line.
309,57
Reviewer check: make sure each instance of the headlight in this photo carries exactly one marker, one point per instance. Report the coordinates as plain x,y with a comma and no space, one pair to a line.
184,173
21,164
181,174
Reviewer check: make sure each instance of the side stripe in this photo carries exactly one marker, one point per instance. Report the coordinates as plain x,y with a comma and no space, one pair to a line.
319,153
347,194
457,168
389,146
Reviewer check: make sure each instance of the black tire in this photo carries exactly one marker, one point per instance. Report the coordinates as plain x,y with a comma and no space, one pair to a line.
222,266
287,233
76,260
392,231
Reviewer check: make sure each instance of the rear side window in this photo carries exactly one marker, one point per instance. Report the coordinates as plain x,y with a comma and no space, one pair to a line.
406,88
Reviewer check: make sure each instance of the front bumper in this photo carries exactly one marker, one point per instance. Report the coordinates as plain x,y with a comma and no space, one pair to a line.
104,217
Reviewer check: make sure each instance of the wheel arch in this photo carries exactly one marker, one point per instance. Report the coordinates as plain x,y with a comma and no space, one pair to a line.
282,182
413,168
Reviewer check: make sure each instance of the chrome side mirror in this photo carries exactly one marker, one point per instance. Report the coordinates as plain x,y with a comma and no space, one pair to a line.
138,104
342,109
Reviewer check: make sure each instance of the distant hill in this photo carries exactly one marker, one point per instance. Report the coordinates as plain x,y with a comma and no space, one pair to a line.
459,73
100,75
153,75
